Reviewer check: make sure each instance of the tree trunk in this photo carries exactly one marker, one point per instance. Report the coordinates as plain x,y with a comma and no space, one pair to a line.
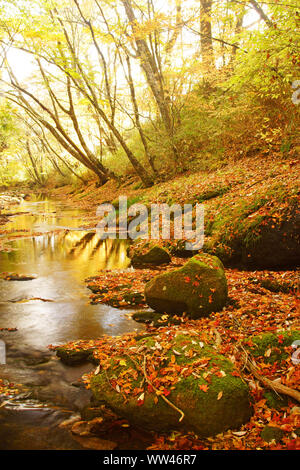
206,34
149,66
33,163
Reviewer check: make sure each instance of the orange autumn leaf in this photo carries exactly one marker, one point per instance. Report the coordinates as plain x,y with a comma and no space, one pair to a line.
204,388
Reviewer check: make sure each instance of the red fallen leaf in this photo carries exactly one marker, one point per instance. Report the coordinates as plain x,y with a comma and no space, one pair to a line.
287,427
280,339
204,388
166,392
294,444
235,373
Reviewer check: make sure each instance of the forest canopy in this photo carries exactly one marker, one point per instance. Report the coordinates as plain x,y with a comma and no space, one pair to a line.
106,89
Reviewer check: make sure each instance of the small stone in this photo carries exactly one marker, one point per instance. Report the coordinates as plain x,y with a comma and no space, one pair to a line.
271,433
155,256
81,428
69,422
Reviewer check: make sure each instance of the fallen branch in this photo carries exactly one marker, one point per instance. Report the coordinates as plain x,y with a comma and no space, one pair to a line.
143,370
218,338
162,396
277,387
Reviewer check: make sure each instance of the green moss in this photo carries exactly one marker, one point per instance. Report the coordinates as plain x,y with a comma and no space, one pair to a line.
130,201
198,288
131,299
277,342
238,230
206,413
270,433
88,413
97,289
156,256
72,357
211,194
273,400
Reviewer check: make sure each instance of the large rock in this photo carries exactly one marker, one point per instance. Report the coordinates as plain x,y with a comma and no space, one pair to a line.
257,234
278,245
155,256
209,393
198,288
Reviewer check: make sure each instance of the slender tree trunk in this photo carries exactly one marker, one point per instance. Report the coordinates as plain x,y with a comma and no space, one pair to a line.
206,33
33,163
261,13
137,117
149,66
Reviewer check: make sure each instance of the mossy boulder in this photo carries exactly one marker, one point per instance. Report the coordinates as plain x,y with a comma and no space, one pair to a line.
260,232
73,357
210,406
274,400
154,256
277,245
198,288
271,433
273,285
272,347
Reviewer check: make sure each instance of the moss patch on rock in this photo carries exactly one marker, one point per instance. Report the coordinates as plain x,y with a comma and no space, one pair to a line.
272,346
276,401
260,231
73,357
198,288
271,433
213,399
154,256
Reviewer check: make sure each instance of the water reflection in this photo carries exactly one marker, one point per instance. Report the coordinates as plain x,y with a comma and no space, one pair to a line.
44,215
82,253
60,261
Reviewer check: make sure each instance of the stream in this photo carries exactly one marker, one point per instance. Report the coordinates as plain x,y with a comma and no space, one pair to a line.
53,308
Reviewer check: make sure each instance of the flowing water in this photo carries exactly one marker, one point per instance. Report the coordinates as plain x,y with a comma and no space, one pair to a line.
53,308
